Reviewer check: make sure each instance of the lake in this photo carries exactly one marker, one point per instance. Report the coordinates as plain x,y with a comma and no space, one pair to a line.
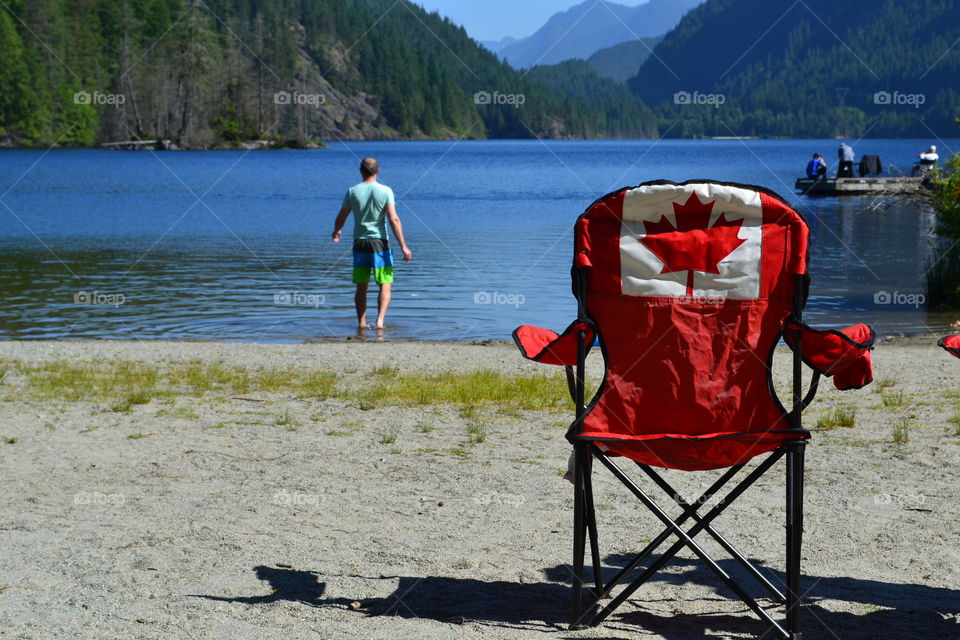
236,246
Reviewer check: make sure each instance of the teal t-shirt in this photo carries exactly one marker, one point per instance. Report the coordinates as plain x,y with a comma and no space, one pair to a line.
368,201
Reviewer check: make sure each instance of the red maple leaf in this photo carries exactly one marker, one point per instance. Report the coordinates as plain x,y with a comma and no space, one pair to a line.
692,245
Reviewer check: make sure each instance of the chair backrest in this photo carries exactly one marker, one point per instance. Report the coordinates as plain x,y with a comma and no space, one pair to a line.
689,286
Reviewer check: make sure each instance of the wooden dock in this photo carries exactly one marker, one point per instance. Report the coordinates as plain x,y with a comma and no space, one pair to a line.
860,186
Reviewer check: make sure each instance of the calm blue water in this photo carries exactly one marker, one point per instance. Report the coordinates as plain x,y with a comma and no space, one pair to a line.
203,245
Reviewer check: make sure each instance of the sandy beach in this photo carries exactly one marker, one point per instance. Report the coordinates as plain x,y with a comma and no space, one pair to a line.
253,491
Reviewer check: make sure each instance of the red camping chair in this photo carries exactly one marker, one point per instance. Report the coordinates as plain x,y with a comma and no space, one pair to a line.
951,344
689,288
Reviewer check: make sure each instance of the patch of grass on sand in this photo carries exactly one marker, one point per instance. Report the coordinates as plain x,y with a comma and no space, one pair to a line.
123,384
838,417
955,420
97,379
303,384
284,419
883,384
476,433
386,371
136,381
199,377
389,435
892,398
901,431
183,412
473,390
425,428
127,402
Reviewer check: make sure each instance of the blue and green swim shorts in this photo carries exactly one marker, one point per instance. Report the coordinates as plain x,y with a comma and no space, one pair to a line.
372,253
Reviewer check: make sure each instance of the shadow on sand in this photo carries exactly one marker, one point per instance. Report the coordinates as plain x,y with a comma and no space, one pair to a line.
285,584
900,611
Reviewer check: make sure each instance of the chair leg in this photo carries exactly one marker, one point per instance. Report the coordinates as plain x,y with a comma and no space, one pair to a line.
591,516
579,534
795,455
686,540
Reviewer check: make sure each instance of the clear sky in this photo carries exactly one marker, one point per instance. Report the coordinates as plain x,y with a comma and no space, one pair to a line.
495,19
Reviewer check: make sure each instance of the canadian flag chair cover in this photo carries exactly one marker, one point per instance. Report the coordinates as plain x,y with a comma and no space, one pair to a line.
690,287
951,344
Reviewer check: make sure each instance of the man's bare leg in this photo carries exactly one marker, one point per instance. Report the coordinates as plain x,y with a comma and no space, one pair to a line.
383,301
360,300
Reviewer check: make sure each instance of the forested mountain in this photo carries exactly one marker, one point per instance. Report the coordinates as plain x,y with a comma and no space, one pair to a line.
215,73
205,73
580,82
783,69
593,25
622,61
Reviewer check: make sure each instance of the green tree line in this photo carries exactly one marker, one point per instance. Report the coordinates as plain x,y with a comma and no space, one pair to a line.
204,73
820,68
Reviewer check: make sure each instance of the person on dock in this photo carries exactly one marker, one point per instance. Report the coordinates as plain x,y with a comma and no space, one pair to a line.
817,168
847,157
928,160
372,205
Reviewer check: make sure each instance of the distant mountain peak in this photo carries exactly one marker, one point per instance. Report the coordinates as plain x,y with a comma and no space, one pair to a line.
585,28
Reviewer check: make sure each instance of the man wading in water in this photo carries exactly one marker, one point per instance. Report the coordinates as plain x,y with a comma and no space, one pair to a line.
372,204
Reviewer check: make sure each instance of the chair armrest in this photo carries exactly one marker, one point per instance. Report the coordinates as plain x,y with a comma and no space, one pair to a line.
951,344
547,347
843,355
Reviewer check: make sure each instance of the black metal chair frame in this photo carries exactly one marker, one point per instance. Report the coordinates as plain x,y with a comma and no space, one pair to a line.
585,524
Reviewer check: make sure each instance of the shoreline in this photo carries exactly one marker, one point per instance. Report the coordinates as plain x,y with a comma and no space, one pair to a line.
898,339
258,145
